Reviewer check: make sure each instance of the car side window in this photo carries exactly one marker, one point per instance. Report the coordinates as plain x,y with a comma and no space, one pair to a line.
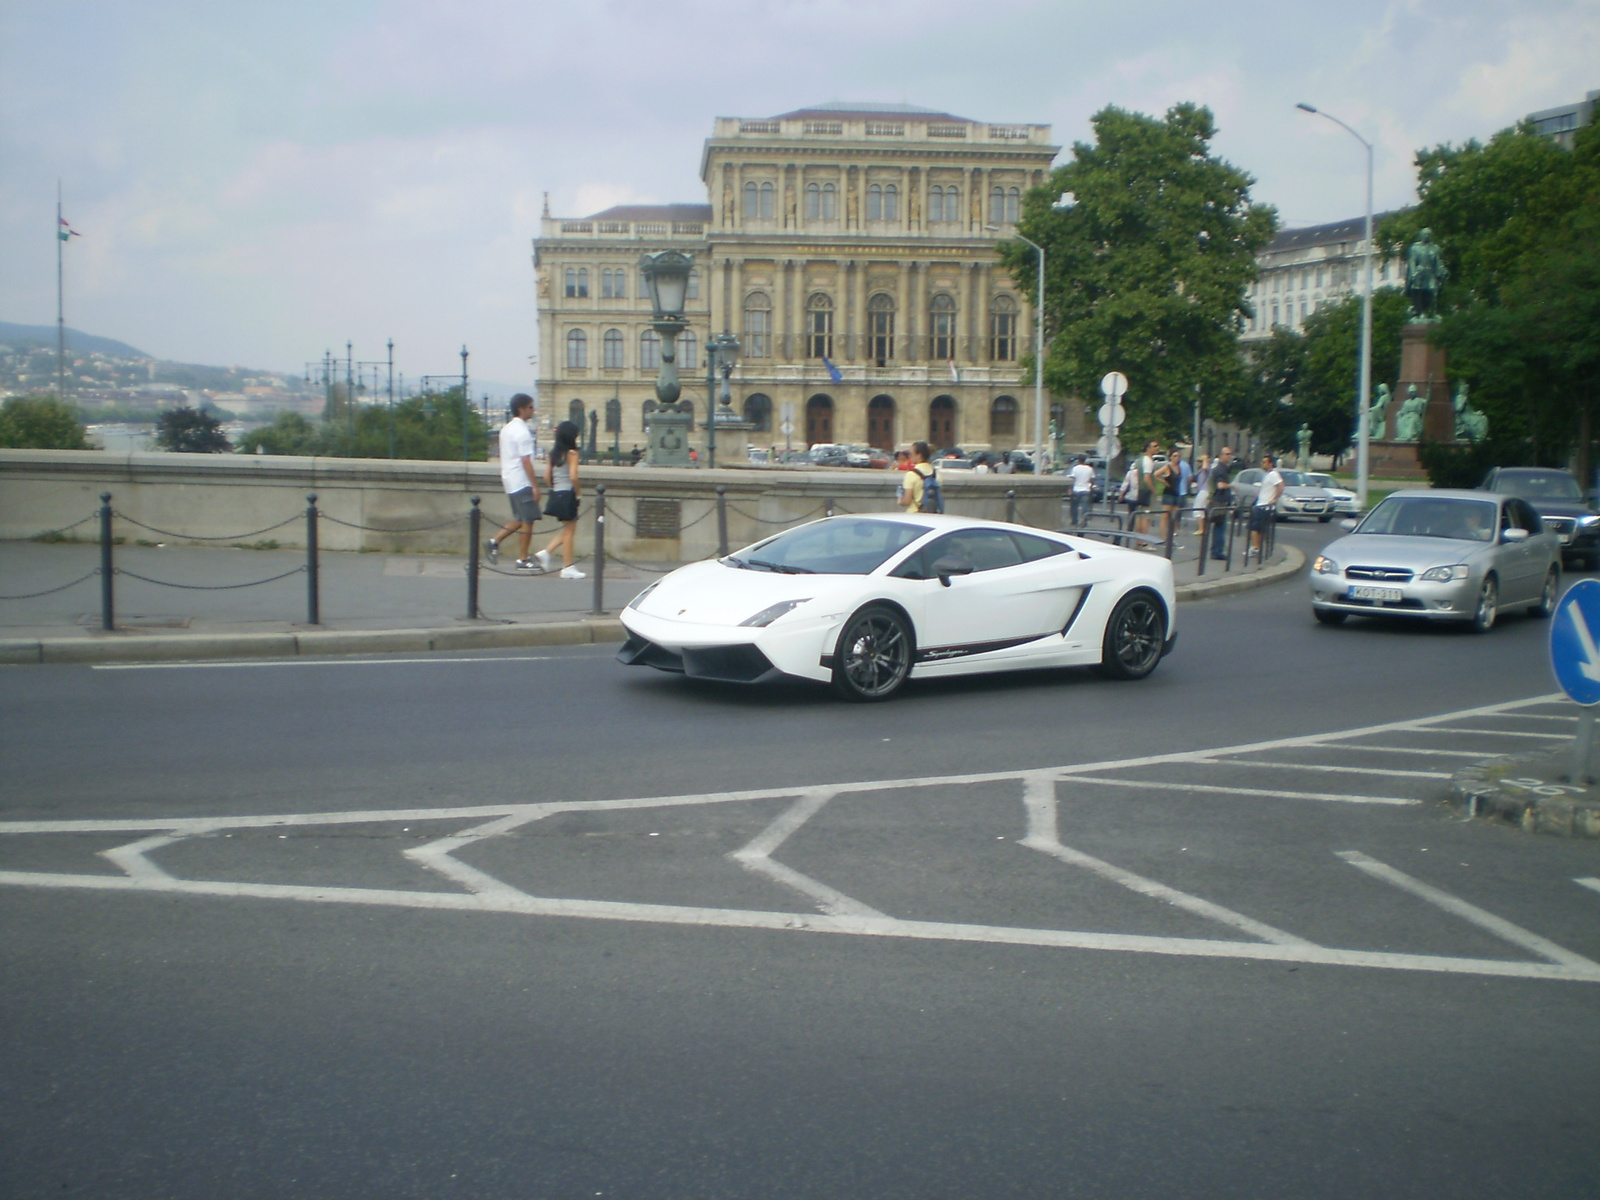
985,549
1034,548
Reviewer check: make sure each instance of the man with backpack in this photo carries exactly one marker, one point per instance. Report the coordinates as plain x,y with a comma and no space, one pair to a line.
919,489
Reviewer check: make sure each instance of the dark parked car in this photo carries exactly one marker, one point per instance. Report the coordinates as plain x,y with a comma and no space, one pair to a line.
1558,500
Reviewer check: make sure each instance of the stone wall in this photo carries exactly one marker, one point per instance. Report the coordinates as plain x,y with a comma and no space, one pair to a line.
422,506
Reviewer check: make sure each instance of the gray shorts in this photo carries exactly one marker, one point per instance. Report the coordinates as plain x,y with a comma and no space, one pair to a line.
523,507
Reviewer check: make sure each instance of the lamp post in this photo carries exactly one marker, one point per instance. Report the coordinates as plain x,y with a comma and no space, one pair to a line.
721,351
1364,399
1038,353
667,421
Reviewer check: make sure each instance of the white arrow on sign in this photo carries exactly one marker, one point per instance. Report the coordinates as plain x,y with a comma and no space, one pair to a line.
1590,666
1114,385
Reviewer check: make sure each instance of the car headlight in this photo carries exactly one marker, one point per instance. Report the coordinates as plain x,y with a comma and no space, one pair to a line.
639,599
770,614
1444,574
1590,520
1325,565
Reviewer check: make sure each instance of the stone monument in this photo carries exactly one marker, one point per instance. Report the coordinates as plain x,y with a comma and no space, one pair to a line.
1302,442
1471,425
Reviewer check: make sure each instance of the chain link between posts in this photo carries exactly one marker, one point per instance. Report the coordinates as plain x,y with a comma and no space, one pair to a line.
52,591
202,537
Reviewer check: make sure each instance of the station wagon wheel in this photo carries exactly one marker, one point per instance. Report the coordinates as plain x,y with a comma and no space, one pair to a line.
874,655
1488,606
1135,636
1547,598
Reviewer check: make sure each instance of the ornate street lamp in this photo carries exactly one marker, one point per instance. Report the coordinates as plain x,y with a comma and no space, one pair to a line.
722,352
667,421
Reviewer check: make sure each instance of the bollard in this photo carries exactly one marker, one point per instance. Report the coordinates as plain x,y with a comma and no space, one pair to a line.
474,524
599,549
313,616
722,521
107,605
1169,516
828,512
1011,506
1205,539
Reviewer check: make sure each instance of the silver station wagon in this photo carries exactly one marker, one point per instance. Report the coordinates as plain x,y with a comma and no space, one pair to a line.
1439,556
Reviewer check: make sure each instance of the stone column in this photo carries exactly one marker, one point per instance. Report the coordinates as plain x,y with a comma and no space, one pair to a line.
849,308
904,283
783,309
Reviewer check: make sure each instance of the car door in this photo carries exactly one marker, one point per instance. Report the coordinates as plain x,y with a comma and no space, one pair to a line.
1514,560
1541,548
1016,592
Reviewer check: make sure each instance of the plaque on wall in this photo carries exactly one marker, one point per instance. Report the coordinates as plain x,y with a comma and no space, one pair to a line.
658,518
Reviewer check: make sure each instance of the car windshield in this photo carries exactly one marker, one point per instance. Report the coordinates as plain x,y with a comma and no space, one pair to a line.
1432,516
837,546
1540,485
1293,478
1321,481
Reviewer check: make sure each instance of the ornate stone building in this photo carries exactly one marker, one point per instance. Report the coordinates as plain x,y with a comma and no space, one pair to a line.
852,250
1303,269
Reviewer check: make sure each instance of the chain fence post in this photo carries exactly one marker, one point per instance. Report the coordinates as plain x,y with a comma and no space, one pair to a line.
475,523
828,511
1205,539
313,615
108,620
599,549
722,521
1169,517
1011,506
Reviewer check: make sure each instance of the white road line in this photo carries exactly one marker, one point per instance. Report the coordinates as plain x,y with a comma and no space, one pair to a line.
1411,750
1337,797
1385,771
316,662
436,856
1039,797
1528,716
1520,733
131,858
754,857
1589,882
1456,906
736,918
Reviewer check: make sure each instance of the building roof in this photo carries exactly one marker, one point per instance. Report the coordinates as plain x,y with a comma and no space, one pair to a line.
653,212
867,108
1321,235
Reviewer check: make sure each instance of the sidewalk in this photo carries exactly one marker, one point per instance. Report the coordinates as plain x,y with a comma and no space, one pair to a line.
368,603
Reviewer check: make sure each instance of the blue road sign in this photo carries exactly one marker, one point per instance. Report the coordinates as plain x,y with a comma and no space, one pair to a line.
1574,634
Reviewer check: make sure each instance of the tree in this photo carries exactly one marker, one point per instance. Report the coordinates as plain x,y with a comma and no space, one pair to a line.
1328,395
425,427
40,423
189,432
289,433
1146,273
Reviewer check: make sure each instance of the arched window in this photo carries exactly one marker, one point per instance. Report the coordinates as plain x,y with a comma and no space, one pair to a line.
766,201
880,422
649,350
611,349
758,412
880,328
1003,418
935,204
1013,203
757,326
752,201
819,326
605,283
813,202
613,416
577,348
997,205
942,327
583,283
693,292
613,283
830,203
819,419
891,203
572,282
1003,329
942,422
687,345
575,415
952,204
875,203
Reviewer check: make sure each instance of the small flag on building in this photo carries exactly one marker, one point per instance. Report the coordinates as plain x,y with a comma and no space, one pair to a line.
833,372
955,375
66,231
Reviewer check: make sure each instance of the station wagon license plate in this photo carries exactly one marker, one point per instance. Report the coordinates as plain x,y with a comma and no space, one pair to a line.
1376,593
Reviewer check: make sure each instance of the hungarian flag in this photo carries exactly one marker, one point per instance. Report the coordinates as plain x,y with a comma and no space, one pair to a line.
66,231
833,372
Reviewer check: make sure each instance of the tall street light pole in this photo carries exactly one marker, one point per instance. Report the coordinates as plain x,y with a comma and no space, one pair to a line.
1363,403
1038,353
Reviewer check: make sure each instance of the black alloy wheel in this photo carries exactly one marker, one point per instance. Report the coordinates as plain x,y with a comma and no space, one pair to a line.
1547,598
1135,636
874,655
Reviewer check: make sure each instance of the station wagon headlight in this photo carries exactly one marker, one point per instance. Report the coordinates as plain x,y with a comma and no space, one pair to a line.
1444,574
768,615
1325,565
1589,520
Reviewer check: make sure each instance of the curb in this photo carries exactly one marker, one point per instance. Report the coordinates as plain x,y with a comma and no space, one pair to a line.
314,642
1529,792
1204,589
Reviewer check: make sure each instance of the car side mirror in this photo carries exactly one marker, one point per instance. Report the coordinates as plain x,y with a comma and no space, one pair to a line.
947,566
1513,535
1348,524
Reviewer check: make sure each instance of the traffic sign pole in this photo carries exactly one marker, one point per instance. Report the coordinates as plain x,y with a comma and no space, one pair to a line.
1575,658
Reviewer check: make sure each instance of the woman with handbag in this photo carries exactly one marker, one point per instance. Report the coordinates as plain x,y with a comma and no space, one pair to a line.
561,477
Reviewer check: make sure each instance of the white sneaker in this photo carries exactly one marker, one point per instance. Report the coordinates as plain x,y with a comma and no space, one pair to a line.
572,573
544,559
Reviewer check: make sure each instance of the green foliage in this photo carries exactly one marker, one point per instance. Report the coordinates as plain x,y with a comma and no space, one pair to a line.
187,431
425,427
1146,273
40,423
1454,465
289,433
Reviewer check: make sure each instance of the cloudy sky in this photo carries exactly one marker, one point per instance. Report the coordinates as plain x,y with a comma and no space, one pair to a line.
258,182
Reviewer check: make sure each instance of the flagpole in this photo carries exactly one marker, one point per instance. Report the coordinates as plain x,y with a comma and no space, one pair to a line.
61,318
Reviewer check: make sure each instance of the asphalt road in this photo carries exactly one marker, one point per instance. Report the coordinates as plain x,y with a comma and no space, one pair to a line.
1036,936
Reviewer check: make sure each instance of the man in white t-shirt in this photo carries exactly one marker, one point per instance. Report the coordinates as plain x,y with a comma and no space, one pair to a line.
1266,506
1082,488
520,479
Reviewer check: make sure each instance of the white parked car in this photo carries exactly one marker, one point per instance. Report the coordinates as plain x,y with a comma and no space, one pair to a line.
1344,500
1298,499
868,602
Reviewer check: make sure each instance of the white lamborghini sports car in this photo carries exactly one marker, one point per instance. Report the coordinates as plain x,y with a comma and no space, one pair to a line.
867,602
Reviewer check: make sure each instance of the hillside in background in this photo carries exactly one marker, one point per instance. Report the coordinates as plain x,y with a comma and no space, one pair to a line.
27,337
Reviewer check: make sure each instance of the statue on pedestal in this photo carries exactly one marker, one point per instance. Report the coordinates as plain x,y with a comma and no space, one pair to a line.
1378,413
1408,424
1471,425
1302,442
1425,275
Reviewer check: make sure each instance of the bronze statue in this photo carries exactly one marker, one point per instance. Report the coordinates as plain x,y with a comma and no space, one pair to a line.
1471,425
1425,275
1302,441
1408,425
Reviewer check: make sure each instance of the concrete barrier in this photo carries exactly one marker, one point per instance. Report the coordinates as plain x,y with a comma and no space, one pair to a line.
657,514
